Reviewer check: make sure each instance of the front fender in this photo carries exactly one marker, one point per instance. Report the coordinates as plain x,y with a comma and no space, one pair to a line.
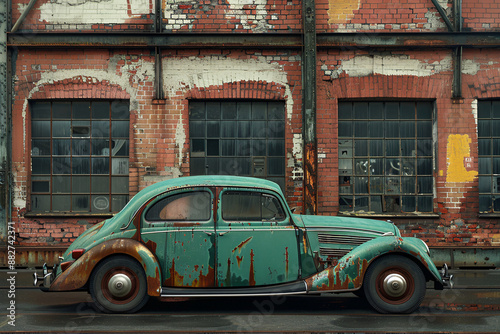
348,274
77,275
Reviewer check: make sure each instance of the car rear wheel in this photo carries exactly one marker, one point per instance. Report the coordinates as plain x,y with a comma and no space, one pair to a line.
118,285
394,284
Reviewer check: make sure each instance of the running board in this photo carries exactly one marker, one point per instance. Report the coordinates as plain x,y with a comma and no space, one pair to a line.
295,288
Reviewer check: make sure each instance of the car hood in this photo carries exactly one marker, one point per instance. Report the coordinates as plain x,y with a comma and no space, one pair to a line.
311,222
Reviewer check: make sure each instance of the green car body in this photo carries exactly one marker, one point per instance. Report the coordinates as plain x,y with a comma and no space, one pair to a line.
207,236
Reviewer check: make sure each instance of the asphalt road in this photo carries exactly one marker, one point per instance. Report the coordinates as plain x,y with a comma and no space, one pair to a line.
458,311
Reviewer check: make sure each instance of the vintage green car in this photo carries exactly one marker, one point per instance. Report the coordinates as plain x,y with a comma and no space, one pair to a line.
208,236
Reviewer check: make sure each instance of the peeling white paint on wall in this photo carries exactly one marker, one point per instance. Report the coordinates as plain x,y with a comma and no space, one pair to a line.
177,18
469,66
92,11
255,22
473,106
365,65
180,139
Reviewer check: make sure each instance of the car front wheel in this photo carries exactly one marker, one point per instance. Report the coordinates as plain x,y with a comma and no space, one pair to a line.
118,285
394,284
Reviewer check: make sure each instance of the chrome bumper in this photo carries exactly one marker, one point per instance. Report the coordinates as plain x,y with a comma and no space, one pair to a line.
446,278
46,278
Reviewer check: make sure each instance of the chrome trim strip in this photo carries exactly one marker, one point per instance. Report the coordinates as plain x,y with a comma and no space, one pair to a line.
236,294
223,230
333,252
342,239
344,229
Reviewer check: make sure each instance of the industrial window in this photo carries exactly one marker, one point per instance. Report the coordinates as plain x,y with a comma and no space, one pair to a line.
238,138
386,157
79,156
488,113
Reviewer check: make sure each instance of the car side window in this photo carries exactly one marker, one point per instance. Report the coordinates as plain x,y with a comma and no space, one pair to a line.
187,206
251,206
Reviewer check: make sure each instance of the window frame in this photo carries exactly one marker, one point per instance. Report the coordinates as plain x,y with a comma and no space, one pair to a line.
116,113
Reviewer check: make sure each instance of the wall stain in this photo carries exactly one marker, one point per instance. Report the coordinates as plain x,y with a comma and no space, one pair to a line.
458,156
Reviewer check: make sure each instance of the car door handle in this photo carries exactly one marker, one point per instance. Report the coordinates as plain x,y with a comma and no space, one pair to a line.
222,233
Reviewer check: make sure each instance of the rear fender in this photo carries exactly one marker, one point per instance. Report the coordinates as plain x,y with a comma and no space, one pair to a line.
78,274
348,274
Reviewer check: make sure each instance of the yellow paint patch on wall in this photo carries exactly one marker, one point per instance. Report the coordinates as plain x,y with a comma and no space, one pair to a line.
458,156
342,11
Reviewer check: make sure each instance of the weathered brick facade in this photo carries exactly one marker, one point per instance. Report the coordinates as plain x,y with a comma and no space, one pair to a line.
159,128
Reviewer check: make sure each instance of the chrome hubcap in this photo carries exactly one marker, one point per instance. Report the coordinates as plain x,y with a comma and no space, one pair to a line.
120,285
395,285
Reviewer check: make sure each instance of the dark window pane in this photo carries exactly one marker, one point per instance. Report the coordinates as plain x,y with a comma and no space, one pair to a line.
392,110
376,110
228,110
408,148
81,110
100,129
424,184
484,109
244,166
424,147
40,110
496,146
392,185
81,147
244,129
197,129
61,110
213,129
407,129
228,129
61,166
376,129
212,147
100,184
40,186
259,147
424,166
409,204
424,203
120,147
100,110
485,165
276,110
484,128
361,203
377,166
196,110
40,129
259,110
360,185
392,129
276,166
392,204
120,110
100,165
118,202
80,184
40,147
197,166
345,203
81,166
40,203
80,131
392,147
484,146
424,129
213,110
496,165
495,109
361,129
197,147
484,184
276,147
228,147
485,203
100,147
40,165
408,185
345,129
276,129
407,110
61,147
80,203
119,129
345,110
361,110
376,147
392,167
362,166
61,203
376,185
244,206
244,109
212,166
243,147
230,166
424,110
376,204
259,129
361,148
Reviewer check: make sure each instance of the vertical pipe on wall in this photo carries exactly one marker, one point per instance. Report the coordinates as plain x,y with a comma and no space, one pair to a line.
4,124
457,52
309,107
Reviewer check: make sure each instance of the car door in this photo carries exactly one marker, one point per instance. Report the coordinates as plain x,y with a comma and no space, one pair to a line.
180,225
256,241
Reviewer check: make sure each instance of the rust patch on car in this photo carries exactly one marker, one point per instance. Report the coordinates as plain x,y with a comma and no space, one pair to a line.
205,281
241,245
239,259
175,278
153,286
251,278
286,261
151,245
